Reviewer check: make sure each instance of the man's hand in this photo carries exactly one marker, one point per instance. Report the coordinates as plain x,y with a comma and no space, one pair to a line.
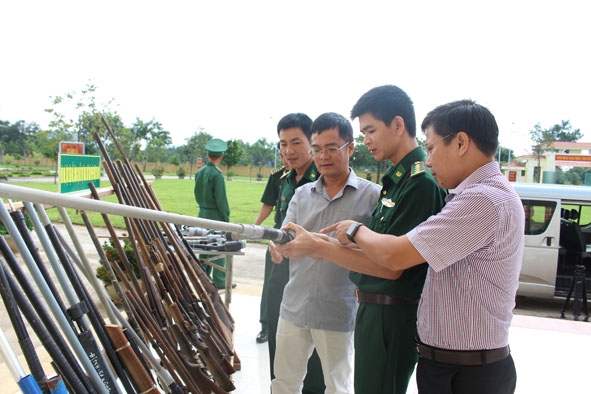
304,243
340,229
276,255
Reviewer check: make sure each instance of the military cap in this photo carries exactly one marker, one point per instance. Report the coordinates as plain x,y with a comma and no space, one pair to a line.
216,147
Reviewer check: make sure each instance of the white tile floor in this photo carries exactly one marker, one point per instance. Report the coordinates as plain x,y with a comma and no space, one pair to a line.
254,375
551,356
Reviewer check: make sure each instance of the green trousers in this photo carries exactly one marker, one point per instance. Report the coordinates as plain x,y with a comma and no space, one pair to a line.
263,309
385,348
218,277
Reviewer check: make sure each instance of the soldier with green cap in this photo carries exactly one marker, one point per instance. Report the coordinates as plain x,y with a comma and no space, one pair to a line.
210,194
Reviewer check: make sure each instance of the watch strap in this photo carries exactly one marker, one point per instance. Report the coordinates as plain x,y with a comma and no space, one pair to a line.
353,230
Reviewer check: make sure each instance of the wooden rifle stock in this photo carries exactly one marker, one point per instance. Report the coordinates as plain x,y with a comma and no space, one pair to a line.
141,378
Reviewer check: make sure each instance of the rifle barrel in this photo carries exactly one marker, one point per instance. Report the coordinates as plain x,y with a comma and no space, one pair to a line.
248,231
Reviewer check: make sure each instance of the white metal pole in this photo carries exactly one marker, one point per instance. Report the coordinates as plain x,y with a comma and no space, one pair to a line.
247,231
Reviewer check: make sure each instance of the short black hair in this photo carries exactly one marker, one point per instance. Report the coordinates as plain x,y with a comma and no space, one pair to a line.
385,103
331,120
467,116
296,119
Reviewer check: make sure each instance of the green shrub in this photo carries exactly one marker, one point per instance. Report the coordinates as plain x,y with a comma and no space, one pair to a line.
157,172
28,223
113,257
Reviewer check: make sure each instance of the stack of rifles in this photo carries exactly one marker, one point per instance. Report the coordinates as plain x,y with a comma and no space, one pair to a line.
174,334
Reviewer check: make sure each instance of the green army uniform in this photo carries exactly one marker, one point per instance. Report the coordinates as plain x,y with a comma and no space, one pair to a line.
270,197
385,348
210,194
278,278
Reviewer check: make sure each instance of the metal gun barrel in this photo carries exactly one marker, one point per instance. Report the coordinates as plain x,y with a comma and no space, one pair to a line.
245,231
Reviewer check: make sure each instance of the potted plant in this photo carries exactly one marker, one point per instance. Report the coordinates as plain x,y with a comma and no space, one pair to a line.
113,258
181,172
157,172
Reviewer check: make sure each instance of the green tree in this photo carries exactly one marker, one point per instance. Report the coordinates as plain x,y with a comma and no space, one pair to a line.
76,116
232,155
157,139
260,153
573,176
565,132
127,140
17,138
195,147
543,139
362,159
504,154
175,160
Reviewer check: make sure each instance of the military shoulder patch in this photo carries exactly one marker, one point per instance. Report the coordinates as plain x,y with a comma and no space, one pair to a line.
417,168
277,170
285,174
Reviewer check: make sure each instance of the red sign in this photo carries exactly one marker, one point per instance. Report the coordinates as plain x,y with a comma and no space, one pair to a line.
72,148
564,157
512,176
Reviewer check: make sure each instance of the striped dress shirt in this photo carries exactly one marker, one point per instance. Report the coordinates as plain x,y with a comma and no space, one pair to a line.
474,249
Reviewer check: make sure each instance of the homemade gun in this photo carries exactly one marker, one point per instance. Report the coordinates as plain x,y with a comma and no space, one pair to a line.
200,238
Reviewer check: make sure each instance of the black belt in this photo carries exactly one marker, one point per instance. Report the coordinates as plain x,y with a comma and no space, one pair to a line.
462,357
382,299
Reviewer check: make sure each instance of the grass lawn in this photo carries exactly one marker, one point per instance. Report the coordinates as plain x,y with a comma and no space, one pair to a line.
176,196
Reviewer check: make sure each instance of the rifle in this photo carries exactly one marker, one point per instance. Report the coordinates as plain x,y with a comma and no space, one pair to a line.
43,325
82,308
208,240
26,382
21,332
63,322
166,283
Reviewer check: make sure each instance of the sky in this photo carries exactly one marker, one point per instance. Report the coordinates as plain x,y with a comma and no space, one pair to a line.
234,68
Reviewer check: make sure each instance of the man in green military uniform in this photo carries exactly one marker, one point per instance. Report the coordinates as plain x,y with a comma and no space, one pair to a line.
385,327
269,200
294,132
210,194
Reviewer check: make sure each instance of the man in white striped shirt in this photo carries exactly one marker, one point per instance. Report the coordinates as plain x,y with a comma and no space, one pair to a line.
474,248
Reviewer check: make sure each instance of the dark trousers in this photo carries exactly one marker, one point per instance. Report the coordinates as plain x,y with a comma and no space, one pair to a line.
385,348
218,277
263,311
438,378
279,275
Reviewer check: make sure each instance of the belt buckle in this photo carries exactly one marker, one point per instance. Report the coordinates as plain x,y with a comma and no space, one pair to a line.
357,295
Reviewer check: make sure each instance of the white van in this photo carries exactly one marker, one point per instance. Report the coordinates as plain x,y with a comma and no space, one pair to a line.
557,238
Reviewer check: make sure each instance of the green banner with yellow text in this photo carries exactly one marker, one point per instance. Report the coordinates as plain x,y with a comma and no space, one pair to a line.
77,171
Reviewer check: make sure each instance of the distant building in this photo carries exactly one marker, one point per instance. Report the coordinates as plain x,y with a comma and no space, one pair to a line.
558,154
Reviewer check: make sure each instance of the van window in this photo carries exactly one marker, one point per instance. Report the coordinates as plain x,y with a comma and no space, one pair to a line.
537,215
580,214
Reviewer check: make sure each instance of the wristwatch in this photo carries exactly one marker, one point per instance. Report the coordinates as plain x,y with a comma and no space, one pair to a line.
353,230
